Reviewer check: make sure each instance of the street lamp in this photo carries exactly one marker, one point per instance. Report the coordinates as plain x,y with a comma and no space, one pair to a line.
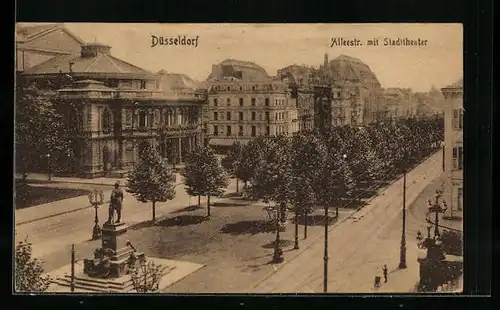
49,165
96,198
437,208
277,215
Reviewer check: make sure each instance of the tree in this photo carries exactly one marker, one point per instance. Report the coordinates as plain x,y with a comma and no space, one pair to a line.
29,271
40,132
204,174
151,180
146,278
249,159
232,159
308,159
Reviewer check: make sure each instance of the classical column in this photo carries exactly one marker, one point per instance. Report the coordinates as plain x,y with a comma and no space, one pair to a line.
190,144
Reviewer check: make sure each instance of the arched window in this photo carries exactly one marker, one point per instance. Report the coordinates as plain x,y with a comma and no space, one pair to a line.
106,120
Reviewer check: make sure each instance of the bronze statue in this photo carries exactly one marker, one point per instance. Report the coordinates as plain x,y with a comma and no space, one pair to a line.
115,204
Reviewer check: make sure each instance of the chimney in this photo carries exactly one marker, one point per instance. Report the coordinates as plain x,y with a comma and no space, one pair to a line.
71,63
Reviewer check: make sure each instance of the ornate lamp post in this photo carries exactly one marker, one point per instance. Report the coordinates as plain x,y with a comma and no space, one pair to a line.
96,198
436,208
277,215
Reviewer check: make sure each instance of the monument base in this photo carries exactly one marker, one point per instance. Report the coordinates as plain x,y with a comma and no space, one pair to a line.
171,270
116,256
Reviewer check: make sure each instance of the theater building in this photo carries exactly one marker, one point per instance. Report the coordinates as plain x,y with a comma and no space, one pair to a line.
346,92
453,148
111,106
244,102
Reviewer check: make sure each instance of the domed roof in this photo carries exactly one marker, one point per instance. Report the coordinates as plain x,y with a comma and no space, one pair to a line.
346,68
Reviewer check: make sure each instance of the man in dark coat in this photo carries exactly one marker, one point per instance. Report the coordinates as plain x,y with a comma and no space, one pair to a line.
115,203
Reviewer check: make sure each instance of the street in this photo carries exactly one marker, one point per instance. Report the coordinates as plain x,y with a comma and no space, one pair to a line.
50,234
359,248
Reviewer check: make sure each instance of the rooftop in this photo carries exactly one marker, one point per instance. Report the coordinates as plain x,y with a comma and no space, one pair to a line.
95,58
349,68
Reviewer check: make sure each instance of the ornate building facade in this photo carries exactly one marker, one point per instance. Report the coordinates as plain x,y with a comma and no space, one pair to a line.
453,148
111,105
244,102
346,92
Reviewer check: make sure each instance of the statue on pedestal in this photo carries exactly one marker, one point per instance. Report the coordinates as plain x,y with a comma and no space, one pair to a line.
115,204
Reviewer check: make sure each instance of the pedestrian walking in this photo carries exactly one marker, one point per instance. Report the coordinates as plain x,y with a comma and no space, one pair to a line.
384,270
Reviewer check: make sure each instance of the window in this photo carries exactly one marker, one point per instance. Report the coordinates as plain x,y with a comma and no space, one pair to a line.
229,88
106,120
241,116
143,84
267,102
241,102
240,131
268,131
241,87
216,102
460,198
143,119
228,116
253,102
216,130
458,119
253,116
228,130
254,131
267,115
228,101
216,116
458,158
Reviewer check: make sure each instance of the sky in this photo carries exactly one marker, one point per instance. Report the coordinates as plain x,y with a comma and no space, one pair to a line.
274,46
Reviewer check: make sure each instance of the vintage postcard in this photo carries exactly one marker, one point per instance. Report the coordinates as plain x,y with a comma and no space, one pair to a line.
238,158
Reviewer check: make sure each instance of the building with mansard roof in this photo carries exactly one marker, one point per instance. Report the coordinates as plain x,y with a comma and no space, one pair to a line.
111,106
37,43
245,102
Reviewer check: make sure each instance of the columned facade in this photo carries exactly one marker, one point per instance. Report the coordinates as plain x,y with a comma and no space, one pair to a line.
109,129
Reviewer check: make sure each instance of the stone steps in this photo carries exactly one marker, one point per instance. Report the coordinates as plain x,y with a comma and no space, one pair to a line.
120,285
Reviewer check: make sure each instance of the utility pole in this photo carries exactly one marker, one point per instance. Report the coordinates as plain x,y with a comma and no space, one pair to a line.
402,259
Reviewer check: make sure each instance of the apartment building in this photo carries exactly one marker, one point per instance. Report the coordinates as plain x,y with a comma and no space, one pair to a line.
453,148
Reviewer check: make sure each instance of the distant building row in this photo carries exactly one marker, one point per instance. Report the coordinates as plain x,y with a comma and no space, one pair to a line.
111,105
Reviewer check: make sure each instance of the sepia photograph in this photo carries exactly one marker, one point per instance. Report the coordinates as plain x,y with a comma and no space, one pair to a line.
238,158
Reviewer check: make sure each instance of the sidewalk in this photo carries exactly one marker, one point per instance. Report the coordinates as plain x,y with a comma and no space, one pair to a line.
55,208
95,181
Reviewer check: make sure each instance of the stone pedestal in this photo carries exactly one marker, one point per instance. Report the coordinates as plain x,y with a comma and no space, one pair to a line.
119,252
